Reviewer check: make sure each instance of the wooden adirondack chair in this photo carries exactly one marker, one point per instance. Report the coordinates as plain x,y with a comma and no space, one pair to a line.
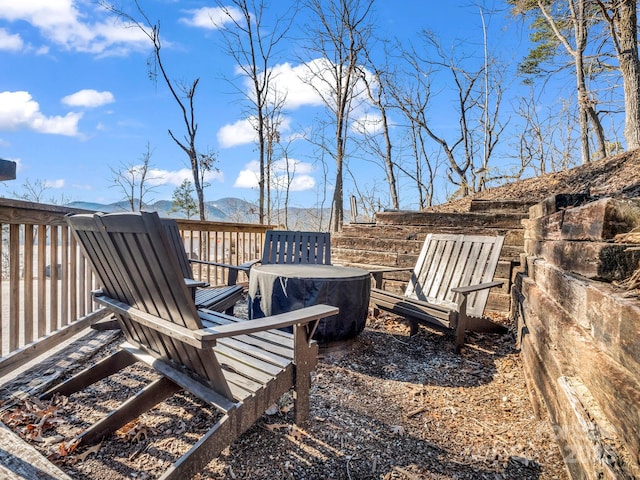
290,247
449,286
282,246
218,298
239,367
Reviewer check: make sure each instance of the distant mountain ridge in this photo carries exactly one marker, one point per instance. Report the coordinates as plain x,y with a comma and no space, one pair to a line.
228,209
224,210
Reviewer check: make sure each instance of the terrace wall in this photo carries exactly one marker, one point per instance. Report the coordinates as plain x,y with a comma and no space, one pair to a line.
579,331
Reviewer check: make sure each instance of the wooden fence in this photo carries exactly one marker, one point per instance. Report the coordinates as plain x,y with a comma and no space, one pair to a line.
45,287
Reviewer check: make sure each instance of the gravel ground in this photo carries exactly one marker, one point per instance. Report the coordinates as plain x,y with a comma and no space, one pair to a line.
389,407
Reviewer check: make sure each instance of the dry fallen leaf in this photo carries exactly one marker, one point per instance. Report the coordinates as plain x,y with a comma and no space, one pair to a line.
296,434
81,457
286,408
66,449
135,431
277,426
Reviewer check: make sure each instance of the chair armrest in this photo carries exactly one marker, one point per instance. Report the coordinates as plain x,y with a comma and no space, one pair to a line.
191,283
301,316
233,269
158,324
247,265
217,264
474,288
206,337
378,272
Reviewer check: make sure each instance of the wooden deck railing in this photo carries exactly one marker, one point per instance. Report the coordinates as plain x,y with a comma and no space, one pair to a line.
229,243
45,287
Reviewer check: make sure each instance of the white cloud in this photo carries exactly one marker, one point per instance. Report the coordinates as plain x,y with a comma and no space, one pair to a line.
299,171
10,42
88,98
157,176
248,177
296,84
18,111
61,22
54,183
211,17
238,133
305,84
243,132
367,124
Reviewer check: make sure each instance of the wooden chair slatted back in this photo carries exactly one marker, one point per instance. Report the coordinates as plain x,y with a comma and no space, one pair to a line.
449,261
291,247
177,245
145,274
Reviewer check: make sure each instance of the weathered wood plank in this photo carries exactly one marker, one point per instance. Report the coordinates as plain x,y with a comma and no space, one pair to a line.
569,290
594,260
555,203
601,220
478,205
20,461
492,220
612,386
609,317
27,353
595,221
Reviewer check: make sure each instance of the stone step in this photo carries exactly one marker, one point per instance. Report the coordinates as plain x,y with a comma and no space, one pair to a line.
488,220
383,238
505,206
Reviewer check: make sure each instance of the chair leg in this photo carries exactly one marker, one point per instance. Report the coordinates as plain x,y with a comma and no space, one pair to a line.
413,327
143,401
462,323
460,332
305,360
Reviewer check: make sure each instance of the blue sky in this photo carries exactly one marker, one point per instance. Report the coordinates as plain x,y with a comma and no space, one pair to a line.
76,100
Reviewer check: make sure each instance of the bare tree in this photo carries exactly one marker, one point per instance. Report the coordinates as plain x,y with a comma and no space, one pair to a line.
132,179
274,146
183,94
411,98
34,191
337,41
252,44
377,90
282,174
622,20
566,23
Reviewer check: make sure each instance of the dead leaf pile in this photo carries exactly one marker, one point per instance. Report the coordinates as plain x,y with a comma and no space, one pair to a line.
31,418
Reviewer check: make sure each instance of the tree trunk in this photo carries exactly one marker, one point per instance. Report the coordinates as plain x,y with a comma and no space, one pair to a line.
630,68
337,207
391,178
580,32
193,156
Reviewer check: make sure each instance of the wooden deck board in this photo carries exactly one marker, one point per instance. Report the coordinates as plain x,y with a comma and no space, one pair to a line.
19,460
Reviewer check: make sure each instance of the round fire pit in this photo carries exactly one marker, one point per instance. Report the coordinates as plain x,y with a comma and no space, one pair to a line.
279,288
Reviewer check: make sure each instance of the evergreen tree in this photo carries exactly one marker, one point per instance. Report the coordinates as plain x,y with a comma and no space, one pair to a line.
183,200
